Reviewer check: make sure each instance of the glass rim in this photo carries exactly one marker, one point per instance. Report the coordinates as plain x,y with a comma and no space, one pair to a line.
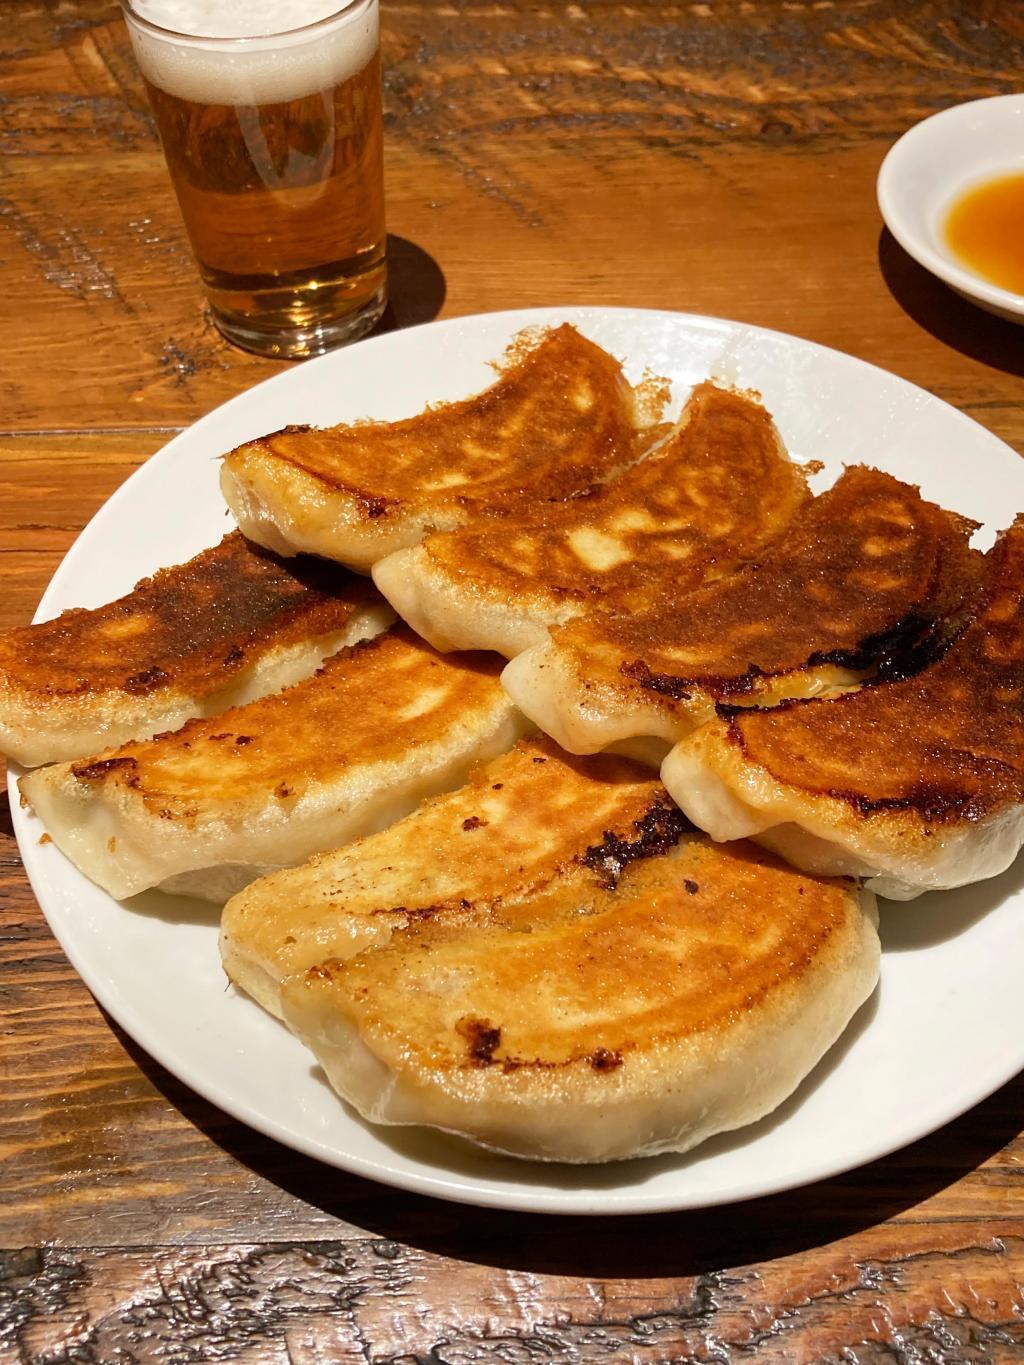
239,39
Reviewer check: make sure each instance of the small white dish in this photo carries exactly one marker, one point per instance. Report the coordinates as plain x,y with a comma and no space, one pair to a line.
930,167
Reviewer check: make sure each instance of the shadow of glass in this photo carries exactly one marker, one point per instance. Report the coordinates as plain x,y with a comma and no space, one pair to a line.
948,317
906,926
416,286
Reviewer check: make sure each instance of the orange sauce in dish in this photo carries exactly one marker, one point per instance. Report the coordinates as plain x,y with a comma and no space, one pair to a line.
985,230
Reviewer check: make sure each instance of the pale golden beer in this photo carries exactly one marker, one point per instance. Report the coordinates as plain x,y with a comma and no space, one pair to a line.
274,147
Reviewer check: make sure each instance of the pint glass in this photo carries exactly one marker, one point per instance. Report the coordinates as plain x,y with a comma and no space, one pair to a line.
273,142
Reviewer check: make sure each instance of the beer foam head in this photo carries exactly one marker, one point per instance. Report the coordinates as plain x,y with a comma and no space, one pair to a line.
223,52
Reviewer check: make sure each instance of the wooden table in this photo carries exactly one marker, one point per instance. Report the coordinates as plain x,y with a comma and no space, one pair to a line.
717,157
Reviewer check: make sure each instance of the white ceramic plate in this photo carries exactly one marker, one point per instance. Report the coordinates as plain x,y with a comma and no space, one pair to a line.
930,167
946,1026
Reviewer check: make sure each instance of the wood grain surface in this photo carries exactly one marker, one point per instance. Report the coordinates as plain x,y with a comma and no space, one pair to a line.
717,157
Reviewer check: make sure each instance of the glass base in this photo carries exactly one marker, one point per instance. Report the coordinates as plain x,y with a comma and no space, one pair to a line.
311,336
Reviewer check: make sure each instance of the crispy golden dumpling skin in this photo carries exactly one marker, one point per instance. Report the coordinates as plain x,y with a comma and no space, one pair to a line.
869,572
518,825
713,496
917,783
658,990
229,625
559,419
206,808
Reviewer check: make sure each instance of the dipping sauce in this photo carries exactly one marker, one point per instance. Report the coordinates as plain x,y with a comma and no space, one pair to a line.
985,230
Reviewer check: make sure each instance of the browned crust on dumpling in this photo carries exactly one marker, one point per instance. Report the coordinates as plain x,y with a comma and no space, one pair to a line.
869,574
946,745
193,627
557,420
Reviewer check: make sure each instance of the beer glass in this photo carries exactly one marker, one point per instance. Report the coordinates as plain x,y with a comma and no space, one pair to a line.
273,142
